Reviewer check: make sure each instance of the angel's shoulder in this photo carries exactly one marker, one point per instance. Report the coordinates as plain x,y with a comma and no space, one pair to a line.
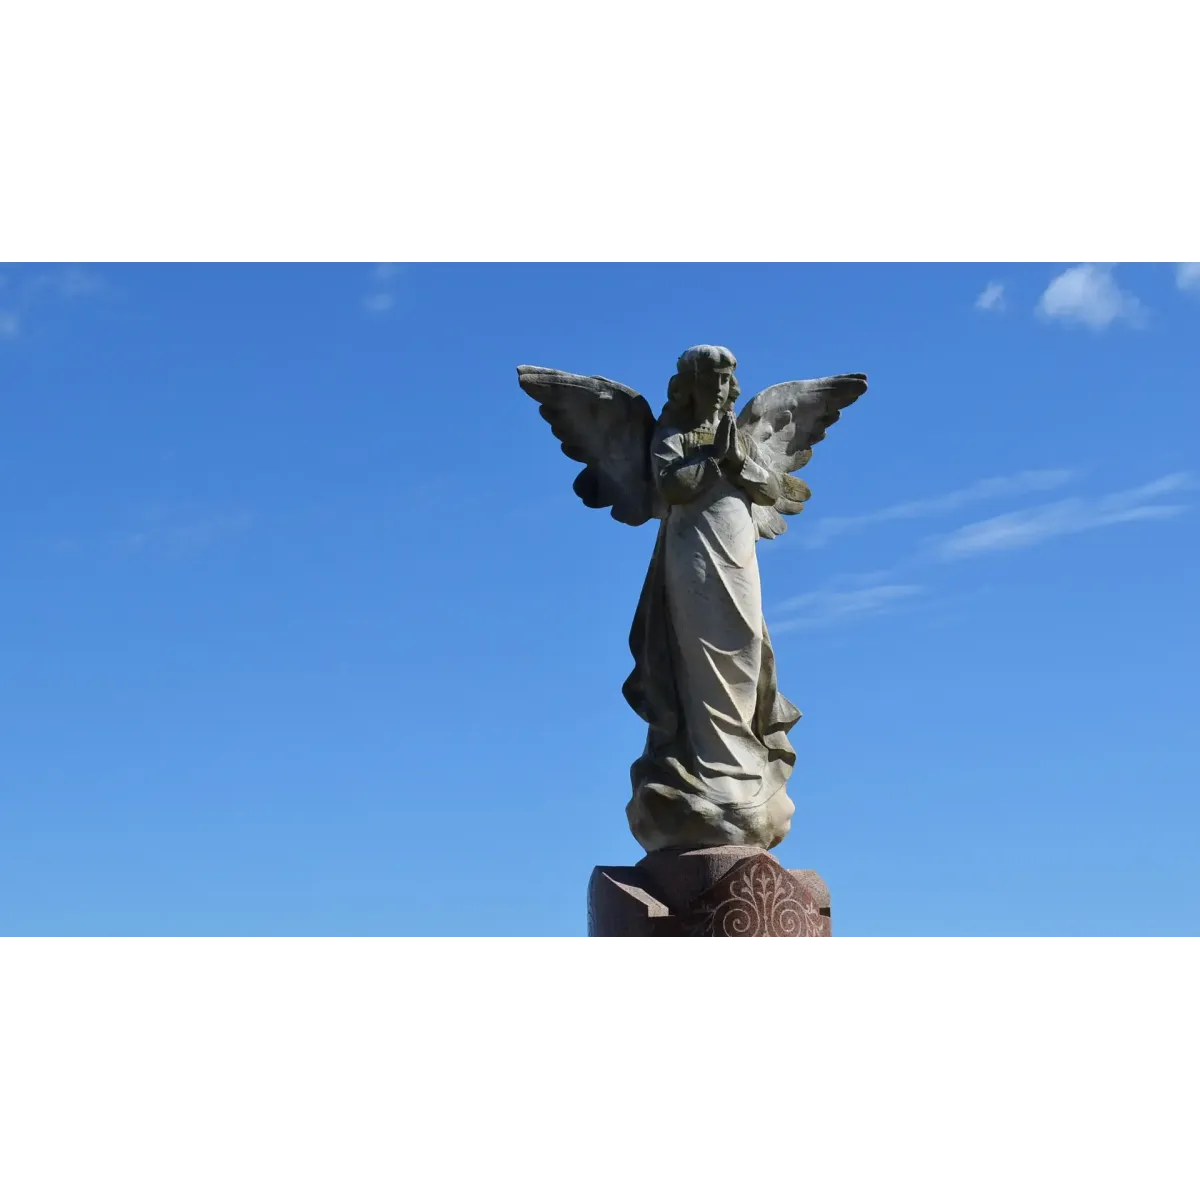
675,437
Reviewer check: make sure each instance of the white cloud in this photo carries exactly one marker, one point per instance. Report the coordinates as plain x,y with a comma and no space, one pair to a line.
63,283
1028,527
831,607
75,282
384,277
66,283
175,534
852,597
1187,276
1018,484
1088,295
991,299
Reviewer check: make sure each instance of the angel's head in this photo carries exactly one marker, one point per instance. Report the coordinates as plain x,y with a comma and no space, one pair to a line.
704,384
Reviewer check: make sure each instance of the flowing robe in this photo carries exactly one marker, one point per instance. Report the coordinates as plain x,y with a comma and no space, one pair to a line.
717,758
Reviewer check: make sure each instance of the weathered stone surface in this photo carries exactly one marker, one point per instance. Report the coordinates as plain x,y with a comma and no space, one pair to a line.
717,758
729,891
619,906
757,898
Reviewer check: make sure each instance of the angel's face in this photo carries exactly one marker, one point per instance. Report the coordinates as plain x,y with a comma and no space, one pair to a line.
712,392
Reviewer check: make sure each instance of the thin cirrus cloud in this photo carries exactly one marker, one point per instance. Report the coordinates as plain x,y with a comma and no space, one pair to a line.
995,487
382,296
992,298
833,606
1187,276
179,535
19,296
1030,526
10,322
66,283
1088,295
856,597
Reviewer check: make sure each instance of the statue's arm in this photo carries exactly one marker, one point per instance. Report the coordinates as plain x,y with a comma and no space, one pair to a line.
743,466
681,477
753,477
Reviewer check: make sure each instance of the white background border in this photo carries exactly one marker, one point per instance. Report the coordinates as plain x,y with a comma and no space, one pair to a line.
363,1068
649,131
237,129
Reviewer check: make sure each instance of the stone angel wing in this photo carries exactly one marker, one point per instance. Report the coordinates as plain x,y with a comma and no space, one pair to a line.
783,423
606,426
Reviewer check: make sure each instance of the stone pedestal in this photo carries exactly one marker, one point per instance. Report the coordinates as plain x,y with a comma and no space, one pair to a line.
726,891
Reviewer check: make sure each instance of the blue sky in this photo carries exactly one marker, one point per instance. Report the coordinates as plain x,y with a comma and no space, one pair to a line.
306,633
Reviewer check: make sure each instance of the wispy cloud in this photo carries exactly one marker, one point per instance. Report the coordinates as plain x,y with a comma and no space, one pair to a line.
65,283
10,323
830,606
20,296
177,535
382,295
991,299
852,597
378,302
1029,526
1187,276
998,486
1089,295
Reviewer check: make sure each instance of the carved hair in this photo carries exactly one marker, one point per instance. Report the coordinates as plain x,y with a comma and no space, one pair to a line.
681,390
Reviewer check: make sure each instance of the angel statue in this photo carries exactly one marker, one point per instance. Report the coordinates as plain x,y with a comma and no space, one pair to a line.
717,759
